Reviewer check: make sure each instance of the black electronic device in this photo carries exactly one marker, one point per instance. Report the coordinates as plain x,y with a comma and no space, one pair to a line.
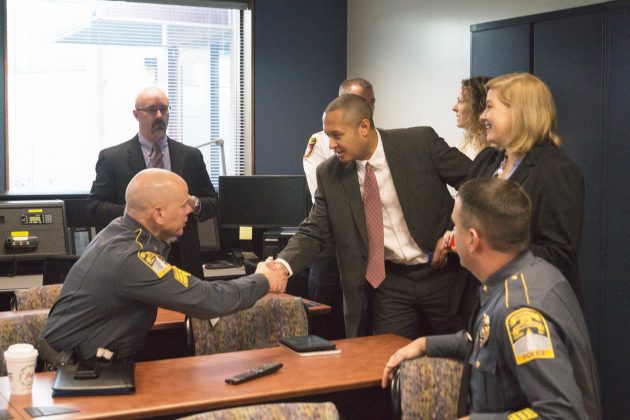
208,231
17,243
88,369
80,238
32,229
257,372
274,241
263,201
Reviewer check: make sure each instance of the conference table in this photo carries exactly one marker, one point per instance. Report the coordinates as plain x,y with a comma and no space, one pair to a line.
177,387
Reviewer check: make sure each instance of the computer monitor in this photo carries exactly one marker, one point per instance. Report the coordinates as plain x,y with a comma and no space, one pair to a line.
208,235
263,201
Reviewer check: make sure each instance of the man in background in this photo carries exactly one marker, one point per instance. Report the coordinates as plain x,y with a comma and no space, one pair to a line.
152,148
324,283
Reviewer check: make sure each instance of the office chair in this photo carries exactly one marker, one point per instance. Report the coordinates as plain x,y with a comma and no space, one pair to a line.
36,297
19,328
426,388
257,327
324,411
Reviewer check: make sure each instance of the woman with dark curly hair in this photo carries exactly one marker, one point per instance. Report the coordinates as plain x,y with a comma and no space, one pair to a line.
470,104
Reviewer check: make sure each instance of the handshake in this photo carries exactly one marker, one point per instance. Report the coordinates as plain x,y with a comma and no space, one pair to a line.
277,275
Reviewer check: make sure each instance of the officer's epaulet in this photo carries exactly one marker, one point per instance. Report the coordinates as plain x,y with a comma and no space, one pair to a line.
516,293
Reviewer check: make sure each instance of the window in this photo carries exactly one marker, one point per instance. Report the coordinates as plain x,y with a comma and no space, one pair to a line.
74,68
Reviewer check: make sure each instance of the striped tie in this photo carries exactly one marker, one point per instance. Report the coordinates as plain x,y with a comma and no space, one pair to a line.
156,157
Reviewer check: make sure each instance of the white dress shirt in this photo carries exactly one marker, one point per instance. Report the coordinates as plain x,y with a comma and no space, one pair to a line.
400,247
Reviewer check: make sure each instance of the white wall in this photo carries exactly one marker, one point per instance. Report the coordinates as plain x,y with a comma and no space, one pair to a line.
416,52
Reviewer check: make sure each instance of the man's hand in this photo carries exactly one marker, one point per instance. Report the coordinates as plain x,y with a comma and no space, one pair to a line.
412,350
441,249
276,274
275,265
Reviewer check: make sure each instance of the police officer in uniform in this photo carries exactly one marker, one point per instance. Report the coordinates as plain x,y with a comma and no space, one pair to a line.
110,297
528,354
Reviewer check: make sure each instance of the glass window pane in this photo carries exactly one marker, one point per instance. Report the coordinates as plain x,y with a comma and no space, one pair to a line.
75,67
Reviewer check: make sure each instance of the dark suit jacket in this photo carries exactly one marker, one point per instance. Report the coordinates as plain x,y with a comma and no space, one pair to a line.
421,164
116,166
555,185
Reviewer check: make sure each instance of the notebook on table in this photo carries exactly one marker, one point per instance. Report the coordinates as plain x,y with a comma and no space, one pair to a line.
309,345
113,378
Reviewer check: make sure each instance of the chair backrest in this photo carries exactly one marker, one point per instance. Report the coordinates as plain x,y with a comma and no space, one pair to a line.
19,328
257,327
323,411
37,297
428,388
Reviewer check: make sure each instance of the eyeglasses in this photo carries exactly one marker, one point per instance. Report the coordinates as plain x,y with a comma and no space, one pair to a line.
152,110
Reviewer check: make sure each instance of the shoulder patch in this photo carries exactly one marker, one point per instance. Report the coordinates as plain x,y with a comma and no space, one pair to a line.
155,262
529,335
525,414
310,147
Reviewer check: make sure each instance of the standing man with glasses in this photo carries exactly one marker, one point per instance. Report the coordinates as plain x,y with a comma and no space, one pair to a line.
152,148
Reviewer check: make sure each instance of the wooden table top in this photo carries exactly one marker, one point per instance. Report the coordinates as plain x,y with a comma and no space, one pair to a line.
185,385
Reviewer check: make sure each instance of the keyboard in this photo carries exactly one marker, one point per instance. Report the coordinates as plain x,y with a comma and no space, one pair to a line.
219,264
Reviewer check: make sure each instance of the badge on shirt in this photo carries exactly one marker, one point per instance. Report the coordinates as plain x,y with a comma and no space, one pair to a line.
155,262
529,336
310,147
484,331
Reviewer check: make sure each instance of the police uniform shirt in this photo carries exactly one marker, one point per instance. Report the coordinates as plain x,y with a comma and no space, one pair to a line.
110,296
531,356
317,151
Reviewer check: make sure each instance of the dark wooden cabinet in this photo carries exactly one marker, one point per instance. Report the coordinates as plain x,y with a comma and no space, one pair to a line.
583,54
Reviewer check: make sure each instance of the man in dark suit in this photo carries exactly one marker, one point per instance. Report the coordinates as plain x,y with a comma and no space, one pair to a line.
405,294
151,147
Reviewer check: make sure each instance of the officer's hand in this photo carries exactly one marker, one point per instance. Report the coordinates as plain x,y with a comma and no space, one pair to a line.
276,275
412,350
440,255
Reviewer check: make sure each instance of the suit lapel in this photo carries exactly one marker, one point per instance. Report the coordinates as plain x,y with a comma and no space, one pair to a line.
394,154
177,157
134,156
520,174
350,182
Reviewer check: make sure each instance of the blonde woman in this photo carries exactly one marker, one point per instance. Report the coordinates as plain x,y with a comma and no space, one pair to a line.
520,120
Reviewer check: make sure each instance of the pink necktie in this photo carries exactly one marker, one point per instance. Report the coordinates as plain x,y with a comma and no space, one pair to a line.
375,273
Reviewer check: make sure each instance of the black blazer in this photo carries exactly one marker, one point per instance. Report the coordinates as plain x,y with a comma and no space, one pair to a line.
116,166
421,164
556,187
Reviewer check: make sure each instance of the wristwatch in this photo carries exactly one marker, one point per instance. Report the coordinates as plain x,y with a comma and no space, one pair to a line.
197,205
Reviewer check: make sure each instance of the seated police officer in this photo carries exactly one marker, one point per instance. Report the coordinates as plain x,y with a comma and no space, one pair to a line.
528,353
110,297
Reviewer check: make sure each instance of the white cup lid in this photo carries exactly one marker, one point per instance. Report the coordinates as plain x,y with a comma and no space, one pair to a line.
18,351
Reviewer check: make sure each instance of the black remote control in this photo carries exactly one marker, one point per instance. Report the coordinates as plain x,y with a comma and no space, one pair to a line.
256,372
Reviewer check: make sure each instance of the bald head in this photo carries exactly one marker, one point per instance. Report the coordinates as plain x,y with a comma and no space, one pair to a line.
361,87
353,107
151,187
158,200
148,94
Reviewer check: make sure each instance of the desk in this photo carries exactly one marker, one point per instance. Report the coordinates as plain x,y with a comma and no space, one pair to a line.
165,319
4,405
192,384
